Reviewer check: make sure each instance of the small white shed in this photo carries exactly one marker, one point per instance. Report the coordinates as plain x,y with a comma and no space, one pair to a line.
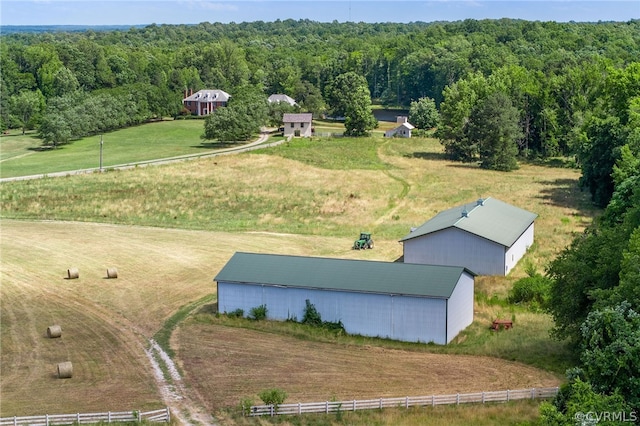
403,130
487,237
415,303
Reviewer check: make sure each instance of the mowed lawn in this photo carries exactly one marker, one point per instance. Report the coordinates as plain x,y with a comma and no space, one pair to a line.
24,155
169,229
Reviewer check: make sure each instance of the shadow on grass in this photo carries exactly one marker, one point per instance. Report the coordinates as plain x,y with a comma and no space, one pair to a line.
215,145
562,193
436,156
46,148
554,162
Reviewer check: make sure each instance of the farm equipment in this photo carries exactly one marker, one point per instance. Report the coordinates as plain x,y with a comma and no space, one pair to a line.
364,242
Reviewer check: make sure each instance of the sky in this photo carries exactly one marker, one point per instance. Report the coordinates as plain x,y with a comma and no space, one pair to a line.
142,12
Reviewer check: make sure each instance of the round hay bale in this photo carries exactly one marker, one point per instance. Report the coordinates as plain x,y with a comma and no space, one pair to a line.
54,331
65,370
112,273
72,273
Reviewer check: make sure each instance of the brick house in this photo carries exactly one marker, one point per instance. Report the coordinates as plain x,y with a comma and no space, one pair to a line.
204,102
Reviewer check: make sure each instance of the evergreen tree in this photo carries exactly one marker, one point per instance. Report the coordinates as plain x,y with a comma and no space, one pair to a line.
494,128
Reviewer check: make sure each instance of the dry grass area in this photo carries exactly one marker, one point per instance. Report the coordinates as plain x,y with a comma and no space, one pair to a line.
257,203
227,364
106,323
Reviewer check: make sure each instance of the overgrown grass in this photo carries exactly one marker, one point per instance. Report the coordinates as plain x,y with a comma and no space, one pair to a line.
511,413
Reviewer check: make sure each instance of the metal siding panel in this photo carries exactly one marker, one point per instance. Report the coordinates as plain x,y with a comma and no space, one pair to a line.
413,319
419,319
519,248
234,296
460,312
454,247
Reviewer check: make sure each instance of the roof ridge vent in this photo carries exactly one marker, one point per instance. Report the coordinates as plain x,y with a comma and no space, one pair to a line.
465,213
480,202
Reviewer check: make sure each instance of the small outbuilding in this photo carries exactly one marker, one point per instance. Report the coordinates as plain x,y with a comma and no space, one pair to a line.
403,130
488,237
414,303
298,124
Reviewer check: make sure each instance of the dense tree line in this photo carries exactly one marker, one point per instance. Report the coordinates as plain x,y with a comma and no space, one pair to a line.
559,87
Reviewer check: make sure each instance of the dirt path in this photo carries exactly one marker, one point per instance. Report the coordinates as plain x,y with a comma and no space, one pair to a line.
174,393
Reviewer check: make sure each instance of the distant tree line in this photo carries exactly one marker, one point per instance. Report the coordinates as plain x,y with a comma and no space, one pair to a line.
504,89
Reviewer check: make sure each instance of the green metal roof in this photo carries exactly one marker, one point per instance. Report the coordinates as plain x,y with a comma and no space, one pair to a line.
342,274
490,218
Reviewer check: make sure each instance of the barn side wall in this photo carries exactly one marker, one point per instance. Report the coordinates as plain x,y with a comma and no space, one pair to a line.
454,247
460,306
412,319
518,249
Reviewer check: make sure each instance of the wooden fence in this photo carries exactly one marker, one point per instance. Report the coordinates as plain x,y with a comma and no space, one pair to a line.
403,402
162,415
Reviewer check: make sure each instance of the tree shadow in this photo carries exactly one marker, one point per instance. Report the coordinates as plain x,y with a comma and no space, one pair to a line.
214,145
43,148
435,156
562,193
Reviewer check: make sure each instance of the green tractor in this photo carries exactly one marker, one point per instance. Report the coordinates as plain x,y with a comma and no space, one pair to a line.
365,242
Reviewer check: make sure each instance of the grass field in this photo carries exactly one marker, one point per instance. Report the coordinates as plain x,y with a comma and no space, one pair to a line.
169,229
25,155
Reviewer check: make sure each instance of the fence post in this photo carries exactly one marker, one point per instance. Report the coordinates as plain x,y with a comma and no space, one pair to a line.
108,416
457,399
15,421
507,395
533,393
381,403
78,417
46,418
326,410
433,401
406,402
354,405
168,415
483,397
299,408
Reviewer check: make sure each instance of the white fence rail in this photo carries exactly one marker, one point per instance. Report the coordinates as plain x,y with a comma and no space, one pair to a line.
162,415
403,402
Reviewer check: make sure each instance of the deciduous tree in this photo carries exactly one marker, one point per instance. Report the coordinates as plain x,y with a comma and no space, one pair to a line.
349,97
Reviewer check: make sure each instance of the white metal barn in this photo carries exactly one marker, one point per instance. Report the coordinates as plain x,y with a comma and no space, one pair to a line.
415,303
487,237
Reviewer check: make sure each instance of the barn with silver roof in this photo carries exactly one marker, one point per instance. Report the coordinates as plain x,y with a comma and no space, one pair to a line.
487,236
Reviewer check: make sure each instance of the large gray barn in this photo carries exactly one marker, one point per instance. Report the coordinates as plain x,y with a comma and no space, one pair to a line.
415,303
488,237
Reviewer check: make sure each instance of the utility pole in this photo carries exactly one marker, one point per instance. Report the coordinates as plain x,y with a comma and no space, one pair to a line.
101,143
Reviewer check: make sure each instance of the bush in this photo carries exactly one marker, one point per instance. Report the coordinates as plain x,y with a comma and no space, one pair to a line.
533,290
238,313
245,406
273,397
311,315
258,313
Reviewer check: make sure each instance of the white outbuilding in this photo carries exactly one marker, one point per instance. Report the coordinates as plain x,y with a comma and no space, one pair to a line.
414,303
488,237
